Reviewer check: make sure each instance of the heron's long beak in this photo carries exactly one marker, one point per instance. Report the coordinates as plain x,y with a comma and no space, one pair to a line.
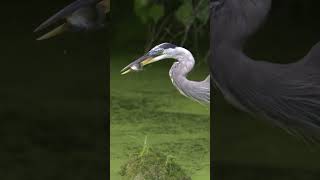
138,64
54,32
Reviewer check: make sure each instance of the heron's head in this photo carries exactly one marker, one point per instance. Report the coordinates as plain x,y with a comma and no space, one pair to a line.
159,52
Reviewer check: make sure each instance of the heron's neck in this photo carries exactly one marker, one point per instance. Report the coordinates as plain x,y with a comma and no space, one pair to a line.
231,25
198,91
180,69
184,64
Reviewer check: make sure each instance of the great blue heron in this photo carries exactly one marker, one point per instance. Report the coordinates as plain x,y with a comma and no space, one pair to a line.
81,15
286,94
198,91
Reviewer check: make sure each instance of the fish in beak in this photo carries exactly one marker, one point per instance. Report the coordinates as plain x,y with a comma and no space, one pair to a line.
154,55
138,64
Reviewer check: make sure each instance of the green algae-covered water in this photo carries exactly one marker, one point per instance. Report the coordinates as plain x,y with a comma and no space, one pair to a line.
147,104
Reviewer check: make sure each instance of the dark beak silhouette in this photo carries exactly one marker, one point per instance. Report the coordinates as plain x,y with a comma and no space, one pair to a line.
77,15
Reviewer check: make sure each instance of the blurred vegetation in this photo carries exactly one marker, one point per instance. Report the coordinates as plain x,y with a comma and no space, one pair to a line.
180,21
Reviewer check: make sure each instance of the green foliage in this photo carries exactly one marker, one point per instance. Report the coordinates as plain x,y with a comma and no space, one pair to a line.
184,13
188,12
185,23
148,11
203,13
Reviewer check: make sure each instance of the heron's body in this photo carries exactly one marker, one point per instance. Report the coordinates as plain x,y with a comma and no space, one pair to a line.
286,94
81,15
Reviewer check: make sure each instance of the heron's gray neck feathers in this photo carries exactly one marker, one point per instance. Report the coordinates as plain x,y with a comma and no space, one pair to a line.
198,91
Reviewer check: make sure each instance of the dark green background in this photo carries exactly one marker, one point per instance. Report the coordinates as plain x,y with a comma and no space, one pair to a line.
53,98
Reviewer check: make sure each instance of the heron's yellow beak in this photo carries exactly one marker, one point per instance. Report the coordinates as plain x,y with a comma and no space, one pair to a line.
138,64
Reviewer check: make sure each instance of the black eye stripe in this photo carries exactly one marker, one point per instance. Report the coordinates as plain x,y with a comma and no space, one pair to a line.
167,46
155,52
158,50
